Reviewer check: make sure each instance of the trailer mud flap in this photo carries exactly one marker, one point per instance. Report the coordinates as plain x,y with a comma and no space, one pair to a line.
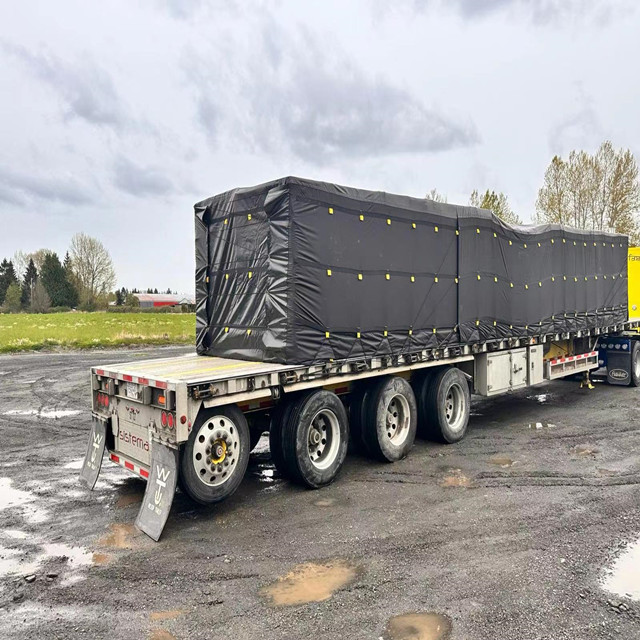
95,451
161,487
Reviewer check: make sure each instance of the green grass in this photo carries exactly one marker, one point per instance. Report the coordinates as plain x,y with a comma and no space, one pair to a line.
27,332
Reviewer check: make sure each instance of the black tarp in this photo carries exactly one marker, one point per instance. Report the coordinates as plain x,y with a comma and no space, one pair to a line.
297,271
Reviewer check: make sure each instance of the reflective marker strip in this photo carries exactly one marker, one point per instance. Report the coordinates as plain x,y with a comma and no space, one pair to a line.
127,378
141,471
571,358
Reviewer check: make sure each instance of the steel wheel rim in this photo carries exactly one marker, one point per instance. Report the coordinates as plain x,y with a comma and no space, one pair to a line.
323,439
397,421
455,407
216,450
636,365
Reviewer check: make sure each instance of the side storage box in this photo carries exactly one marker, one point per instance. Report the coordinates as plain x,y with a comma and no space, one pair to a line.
536,366
501,371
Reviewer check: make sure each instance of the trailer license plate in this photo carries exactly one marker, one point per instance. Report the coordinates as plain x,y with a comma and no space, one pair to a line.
132,390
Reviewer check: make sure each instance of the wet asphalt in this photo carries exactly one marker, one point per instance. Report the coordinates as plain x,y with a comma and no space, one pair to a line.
507,534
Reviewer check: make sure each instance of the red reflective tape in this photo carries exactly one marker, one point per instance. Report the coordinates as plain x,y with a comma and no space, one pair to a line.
115,458
143,380
128,465
127,378
341,389
265,403
143,473
160,385
243,407
99,372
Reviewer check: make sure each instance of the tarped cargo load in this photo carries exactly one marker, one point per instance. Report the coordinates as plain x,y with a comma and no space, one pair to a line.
296,271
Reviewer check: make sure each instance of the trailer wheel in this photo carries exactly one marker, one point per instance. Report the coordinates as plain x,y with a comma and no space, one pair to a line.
315,436
391,419
447,405
420,383
635,365
215,457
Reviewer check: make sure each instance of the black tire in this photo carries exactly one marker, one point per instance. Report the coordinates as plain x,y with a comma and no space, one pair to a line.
275,436
420,383
357,407
448,405
391,419
634,378
318,414
230,423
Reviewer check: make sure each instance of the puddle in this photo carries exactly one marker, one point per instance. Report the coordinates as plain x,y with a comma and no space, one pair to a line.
15,534
455,478
418,626
43,413
74,464
20,562
541,425
311,582
166,615
119,537
161,634
623,578
501,461
583,451
541,398
16,499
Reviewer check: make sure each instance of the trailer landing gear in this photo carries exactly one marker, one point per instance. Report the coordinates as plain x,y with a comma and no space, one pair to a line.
586,381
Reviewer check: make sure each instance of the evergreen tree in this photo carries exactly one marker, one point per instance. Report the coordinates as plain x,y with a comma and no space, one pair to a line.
7,278
12,298
30,277
155,291
118,298
61,292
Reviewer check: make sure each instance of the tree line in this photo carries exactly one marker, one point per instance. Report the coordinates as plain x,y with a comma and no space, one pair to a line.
38,281
597,191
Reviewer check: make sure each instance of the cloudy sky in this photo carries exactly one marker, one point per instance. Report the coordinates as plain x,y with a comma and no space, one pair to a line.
117,116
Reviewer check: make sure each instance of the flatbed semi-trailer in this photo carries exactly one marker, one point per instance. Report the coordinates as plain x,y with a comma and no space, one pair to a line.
195,419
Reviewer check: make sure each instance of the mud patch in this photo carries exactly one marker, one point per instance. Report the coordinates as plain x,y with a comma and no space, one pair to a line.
120,536
623,578
585,451
166,615
501,461
325,502
455,478
161,634
128,499
311,582
100,559
418,626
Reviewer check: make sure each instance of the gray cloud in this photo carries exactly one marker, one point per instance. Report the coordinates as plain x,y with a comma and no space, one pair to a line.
539,11
20,188
139,181
293,99
86,90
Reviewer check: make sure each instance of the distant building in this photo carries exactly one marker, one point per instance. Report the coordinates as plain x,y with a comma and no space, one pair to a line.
164,300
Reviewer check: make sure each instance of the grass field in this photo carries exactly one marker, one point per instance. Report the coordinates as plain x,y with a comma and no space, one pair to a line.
23,332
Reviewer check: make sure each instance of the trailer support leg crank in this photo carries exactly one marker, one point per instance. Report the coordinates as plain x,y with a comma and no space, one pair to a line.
161,487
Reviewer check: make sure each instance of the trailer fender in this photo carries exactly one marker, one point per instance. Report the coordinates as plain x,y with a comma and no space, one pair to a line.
161,487
95,451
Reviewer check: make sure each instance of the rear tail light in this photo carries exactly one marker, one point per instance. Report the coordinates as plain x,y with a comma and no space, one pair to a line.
103,400
170,419
163,419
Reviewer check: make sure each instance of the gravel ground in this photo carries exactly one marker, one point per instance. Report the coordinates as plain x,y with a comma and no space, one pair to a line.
507,534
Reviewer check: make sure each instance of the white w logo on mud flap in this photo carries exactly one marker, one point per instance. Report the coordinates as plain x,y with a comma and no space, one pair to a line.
162,476
97,441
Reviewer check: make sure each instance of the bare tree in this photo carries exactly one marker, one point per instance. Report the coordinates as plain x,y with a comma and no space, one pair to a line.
599,191
496,202
436,196
92,266
40,302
